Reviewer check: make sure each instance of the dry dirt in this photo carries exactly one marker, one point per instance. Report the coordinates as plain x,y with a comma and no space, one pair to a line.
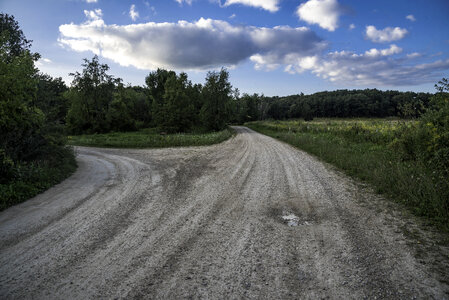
207,222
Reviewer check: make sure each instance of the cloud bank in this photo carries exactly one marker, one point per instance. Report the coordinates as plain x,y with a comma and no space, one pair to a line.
208,44
385,35
203,44
325,13
373,68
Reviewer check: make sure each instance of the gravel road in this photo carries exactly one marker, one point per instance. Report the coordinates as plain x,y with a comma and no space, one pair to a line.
249,218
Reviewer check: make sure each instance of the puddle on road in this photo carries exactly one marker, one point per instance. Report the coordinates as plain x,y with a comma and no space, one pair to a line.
293,220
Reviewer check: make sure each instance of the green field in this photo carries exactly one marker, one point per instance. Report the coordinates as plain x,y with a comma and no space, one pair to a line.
149,138
367,149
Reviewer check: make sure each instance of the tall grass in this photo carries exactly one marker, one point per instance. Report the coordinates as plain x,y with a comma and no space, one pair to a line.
363,150
149,138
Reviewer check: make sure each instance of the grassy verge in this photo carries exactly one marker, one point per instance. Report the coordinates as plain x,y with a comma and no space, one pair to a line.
150,138
354,151
33,178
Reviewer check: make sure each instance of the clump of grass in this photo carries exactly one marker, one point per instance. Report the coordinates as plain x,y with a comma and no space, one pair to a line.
150,138
360,151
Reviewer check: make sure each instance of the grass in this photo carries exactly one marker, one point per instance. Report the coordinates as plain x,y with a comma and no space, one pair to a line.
33,178
362,149
149,138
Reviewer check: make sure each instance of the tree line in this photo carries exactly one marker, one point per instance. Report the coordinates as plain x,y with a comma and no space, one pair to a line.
333,104
98,102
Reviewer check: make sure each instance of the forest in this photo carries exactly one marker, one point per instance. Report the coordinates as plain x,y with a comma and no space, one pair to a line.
37,111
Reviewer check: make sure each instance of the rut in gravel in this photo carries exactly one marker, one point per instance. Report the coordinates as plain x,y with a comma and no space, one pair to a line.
248,218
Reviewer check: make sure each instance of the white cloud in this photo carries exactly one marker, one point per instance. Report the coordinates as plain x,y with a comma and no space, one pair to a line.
374,68
189,2
384,52
385,35
207,43
414,55
270,5
411,18
93,15
351,27
91,1
232,16
203,44
325,13
133,13
43,61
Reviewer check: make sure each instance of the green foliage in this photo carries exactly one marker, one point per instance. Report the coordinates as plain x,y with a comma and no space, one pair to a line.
177,107
32,178
247,108
216,95
50,98
90,96
13,41
32,155
155,82
138,105
428,141
20,121
150,138
343,104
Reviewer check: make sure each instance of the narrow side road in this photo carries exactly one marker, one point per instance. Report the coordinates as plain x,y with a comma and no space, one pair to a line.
249,218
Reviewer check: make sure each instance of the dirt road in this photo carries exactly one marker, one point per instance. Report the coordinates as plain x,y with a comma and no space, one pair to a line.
249,218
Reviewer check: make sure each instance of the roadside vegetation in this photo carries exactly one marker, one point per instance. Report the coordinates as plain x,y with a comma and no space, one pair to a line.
33,155
150,138
405,160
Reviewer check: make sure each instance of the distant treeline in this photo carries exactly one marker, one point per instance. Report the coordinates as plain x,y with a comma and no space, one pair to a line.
98,102
341,104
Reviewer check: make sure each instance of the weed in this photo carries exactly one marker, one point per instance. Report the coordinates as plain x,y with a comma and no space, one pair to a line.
150,138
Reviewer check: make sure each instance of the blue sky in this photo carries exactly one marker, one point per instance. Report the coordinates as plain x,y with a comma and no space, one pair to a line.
274,47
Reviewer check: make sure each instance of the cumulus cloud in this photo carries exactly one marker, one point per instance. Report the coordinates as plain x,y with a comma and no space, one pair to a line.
351,26
208,43
203,44
411,18
325,13
374,68
383,52
270,5
133,13
385,35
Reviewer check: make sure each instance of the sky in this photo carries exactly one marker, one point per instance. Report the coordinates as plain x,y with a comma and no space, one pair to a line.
270,47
